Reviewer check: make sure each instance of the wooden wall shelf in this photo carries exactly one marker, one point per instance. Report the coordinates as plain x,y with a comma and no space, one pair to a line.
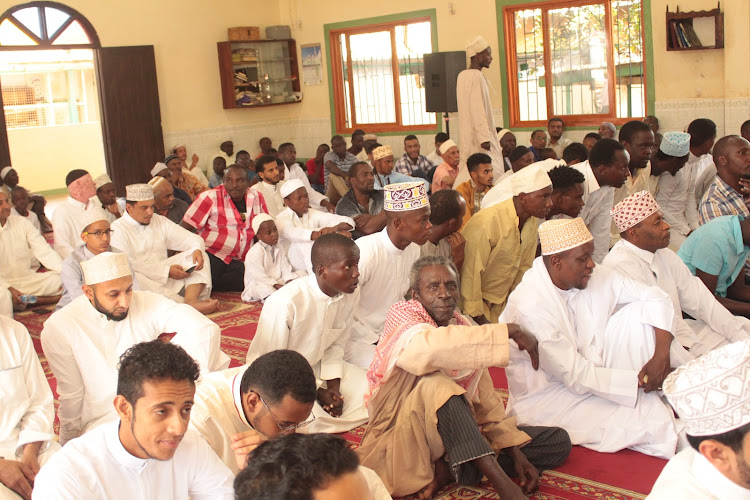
683,35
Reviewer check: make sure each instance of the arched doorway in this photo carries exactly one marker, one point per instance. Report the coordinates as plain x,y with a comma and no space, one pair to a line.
116,92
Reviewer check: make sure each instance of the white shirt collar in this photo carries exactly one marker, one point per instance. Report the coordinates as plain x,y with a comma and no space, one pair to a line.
118,451
77,203
716,482
237,397
131,221
642,254
312,282
388,244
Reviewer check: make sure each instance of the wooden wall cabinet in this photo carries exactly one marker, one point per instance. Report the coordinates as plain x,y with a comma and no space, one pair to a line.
682,28
258,73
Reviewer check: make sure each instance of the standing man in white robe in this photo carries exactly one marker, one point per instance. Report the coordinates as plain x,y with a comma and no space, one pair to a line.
20,243
385,260
147,237
605,348
642,255
81,189
148,452
312,316
84,339
26,412
299,225
477,132
711,395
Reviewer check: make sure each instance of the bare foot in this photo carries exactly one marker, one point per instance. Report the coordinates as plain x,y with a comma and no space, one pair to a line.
205,306
443,477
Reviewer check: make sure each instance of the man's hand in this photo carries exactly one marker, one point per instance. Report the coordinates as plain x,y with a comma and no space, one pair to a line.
177,272
114,209
526,342
331,401
277,286
30,457
198,260
15,296
654,372
244,443
485,145
194,161
17,476
527,473
328,206
745,189
457,243
348,234
361,220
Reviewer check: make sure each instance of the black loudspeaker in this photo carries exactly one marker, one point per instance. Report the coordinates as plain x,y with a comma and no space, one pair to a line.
441,70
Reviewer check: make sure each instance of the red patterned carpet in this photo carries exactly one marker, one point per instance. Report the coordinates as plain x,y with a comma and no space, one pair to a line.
586,475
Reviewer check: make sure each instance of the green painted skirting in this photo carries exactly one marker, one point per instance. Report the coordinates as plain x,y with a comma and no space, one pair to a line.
53,192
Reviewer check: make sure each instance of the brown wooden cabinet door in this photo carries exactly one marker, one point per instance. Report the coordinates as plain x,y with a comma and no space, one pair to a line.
131,120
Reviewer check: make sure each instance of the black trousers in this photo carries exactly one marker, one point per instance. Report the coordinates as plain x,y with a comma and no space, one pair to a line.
227,277
464,443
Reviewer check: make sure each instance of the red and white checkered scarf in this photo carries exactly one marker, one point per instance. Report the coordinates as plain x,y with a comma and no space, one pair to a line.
401,318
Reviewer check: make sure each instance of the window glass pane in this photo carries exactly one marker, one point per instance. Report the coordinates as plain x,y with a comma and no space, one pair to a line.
628,53
372,77
412,42
578,50
532,93
29,17
73,35
55,19
10,35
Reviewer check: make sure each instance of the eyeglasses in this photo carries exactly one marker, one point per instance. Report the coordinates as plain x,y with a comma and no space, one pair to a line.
288,427
99,234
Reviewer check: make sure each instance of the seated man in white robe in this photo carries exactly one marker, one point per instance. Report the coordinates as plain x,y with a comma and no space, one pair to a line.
81,189
148,452
447,211
605,343
270,184
316,466
435,417
83,340
385,259
643,255
312,316
106,197
6,301
299,226
96,235
148,237
20,242
26,413
711,395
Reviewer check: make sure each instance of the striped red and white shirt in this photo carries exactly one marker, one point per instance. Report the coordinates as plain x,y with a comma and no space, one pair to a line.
221,225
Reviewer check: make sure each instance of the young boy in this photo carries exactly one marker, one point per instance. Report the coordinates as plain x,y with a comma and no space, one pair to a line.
299,226
19,198
312,315
267,266
219,165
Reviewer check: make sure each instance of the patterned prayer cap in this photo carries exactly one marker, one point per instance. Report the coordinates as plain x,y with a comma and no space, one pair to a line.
370,137
476,45
158,168
381,152
156,181
633,210
529,179
447,145
102,180
290,186
106,266
559,235
176,147
405,196
91,215
139,192
712,393
4,172
675,144
258,220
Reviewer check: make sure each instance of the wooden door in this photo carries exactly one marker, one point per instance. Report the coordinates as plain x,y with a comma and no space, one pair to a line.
131,120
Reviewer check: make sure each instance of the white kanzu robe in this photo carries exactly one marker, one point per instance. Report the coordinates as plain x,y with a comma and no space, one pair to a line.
296,171
97,466
6,300
26,411
83,348
690,476
66,220
592,344
20,242
302,318
272,194
383,281
148,248
476,123
676,198
265,266
295,232
598,201
713,325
